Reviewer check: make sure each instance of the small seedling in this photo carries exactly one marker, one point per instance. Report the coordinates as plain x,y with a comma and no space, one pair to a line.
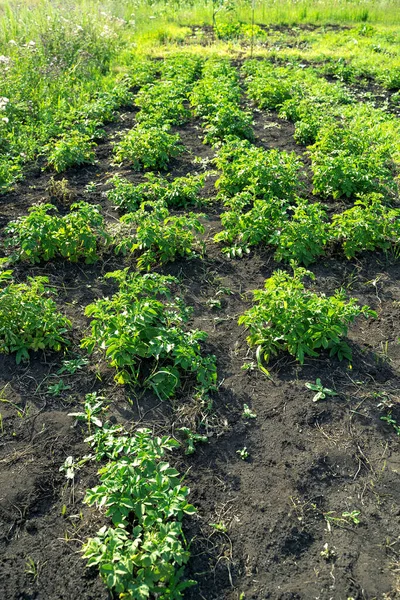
322,392
250,366
390,421
73,365
57,388
385,401
93,406
192,439
214,303
243,453
20,411
70,466
91,187
327,553
353,516
347,518
33,568
219,527
247,413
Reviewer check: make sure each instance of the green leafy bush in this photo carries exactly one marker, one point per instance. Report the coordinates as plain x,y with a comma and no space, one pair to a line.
70,150
298,231
250,221
162,102
148,147
288,317
368,225
303,236
125,195
142,70
182,191
143,337
357,154
182,67
91,116
29,319
43,236
309,115
341,69
270,86
142,554
228,120
157,236
300,95
269,173
218,86
179,192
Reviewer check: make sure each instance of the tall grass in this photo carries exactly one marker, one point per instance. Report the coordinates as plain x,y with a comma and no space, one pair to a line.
29,16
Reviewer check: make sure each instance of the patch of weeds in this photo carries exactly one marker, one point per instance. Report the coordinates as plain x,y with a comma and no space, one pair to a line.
56,389
347,518
58,191
71,366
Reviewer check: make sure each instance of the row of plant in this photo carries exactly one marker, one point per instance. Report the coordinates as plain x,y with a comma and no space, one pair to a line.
150,144
260,189
57,83
140,330
355,147
150,234
141,551
215,98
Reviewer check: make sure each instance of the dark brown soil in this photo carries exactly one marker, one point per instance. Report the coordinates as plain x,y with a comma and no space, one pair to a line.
308,461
